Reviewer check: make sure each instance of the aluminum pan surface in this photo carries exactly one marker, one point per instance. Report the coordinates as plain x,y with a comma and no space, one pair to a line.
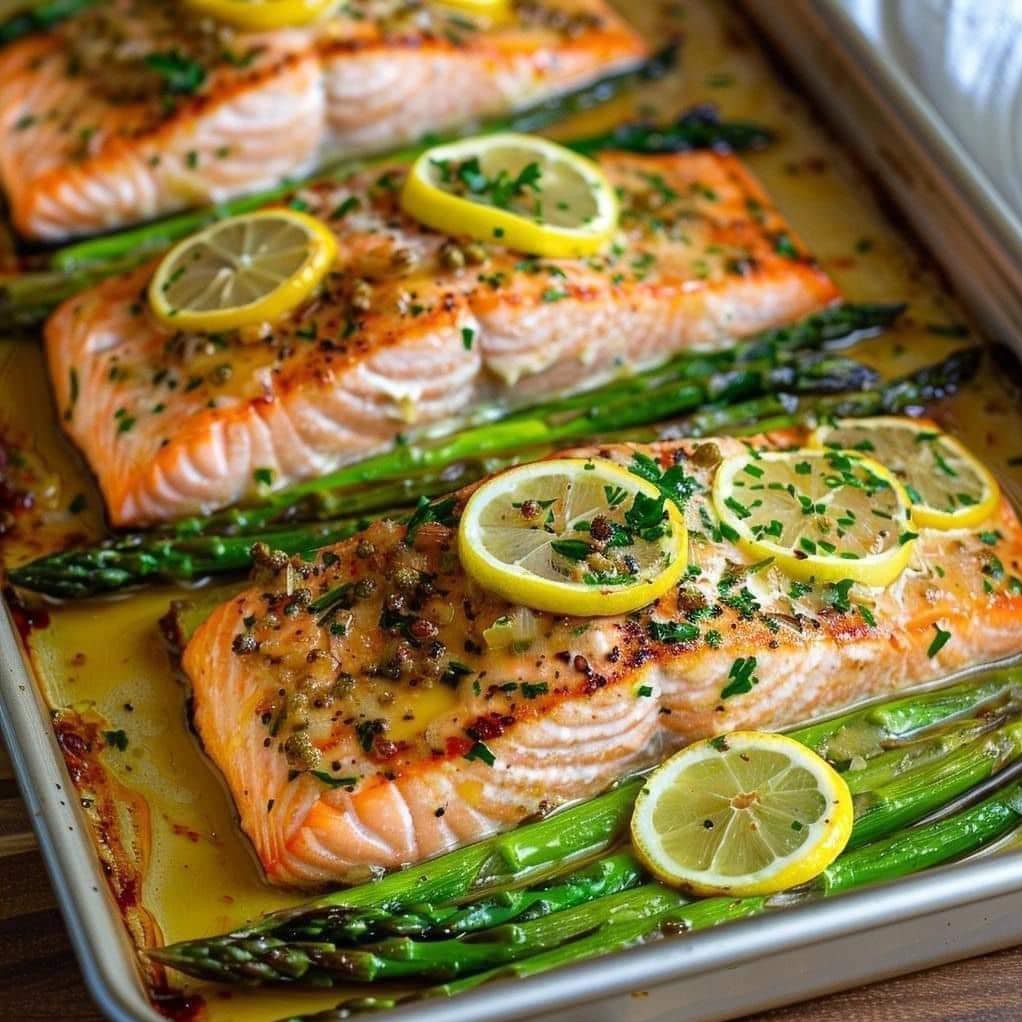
759,962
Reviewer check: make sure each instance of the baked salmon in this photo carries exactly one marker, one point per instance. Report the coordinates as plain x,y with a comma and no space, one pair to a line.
413,328
134,108
310,704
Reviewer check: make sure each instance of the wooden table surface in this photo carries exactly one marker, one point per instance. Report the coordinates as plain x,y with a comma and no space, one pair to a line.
39,977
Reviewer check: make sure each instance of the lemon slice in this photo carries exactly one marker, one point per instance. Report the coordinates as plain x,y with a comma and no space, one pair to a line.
492,9
949,487
573,536
519,190
262,15
821,515
744,814
245,270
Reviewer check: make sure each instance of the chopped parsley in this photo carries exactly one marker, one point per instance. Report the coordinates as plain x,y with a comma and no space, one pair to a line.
334,782
481,752
741,678
180,74
940,640
116,740
442,511
672,631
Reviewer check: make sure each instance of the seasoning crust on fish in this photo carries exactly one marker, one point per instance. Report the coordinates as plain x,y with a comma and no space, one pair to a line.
365,716
415,327
136,108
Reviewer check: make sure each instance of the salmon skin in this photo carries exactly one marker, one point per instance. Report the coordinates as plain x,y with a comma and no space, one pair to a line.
415,328
307,687
134,109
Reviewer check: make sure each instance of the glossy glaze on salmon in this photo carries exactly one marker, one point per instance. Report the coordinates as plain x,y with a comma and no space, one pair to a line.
413,328
134,109
311,706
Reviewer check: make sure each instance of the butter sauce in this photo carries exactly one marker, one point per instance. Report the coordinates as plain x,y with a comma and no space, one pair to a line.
108,658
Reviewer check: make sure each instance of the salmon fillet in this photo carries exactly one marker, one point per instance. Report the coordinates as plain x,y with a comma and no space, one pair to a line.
382,729
415,328
134,109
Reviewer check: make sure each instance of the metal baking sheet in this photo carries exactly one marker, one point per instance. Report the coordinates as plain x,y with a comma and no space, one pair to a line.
804,951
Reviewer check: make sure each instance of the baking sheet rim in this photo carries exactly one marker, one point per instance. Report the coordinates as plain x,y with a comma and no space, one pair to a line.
107,957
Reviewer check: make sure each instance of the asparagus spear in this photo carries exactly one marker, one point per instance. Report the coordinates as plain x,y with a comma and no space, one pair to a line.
905,852
531,852
340,924
867,731
698,128
38,16
907,395
150,238
312,946
328,495
135,557
784,357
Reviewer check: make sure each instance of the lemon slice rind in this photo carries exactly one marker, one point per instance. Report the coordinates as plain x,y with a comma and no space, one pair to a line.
492,504
749,813
492,9
262,15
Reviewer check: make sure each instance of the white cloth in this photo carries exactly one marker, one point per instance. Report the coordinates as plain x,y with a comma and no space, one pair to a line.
966,57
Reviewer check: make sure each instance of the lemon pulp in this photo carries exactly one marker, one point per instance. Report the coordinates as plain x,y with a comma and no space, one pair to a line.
242,271
820,515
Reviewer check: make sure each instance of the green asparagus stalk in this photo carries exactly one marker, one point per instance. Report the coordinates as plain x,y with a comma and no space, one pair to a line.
149,239
107,568
77,573
313,946
136,557
38,16
909,394
527,854
328,496
341,925
322,964
871,775
869,730
784,358
698,128
905,852
915,793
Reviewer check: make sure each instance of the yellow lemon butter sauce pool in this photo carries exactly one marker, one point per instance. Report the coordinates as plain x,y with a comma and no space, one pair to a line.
106,659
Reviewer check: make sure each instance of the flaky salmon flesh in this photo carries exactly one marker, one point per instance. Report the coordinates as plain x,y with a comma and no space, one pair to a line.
365,718
134,108
415,328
